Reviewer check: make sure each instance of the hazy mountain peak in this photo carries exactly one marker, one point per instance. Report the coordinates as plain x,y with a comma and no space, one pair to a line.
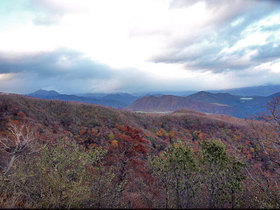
43,92
203,93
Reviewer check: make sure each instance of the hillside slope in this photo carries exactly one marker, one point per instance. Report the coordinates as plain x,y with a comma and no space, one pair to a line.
54,119
171,103
216,103
97,126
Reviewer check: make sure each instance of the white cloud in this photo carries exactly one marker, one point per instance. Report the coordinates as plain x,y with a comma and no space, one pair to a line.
6,76
130,34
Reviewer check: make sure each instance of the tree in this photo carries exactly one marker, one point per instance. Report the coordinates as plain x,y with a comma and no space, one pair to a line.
175,172
20,141
234,183
273,110
128,153
63,175
266,134
222,175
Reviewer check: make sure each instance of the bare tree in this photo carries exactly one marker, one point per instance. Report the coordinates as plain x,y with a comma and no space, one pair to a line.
266,134
19,142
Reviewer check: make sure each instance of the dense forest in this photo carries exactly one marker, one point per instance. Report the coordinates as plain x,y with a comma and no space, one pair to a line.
57,154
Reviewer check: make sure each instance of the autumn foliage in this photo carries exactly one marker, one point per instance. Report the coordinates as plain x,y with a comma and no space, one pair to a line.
131,140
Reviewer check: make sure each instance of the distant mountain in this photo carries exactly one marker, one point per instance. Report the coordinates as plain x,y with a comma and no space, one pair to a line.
218,98
124,98
275,95
111,100
51,94
175,93
243,106
92,95
119,100
171,103
228,99
265,90
216,103
46,93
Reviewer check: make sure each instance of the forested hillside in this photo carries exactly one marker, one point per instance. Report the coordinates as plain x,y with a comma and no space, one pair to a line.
57,154
215,103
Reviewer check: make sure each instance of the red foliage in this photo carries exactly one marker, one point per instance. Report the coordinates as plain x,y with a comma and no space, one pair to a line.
129,153
21,114
81,132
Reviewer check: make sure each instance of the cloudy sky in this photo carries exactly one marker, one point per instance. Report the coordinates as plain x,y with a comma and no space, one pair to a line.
76,46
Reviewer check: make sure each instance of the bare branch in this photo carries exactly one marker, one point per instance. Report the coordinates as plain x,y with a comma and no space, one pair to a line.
20,141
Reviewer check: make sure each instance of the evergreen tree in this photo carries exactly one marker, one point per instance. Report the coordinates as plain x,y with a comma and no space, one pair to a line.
222,175
176,174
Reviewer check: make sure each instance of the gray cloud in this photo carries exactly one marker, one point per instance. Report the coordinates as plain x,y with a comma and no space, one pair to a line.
267,53
53,71
63,69
68,71
59,63
203,53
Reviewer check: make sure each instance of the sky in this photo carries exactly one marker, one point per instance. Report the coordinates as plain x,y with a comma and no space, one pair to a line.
93,46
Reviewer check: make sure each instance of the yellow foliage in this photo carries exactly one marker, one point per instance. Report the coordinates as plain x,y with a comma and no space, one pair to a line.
115,143
111,136
159,133
252,149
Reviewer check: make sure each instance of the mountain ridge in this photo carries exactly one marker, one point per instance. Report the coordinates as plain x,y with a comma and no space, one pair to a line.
111,100
202,101
216,103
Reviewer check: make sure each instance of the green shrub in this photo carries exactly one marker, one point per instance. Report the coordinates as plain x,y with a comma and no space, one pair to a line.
61,176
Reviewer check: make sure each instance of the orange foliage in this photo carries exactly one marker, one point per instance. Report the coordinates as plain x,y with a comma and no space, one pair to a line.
94,131
201,136
115,143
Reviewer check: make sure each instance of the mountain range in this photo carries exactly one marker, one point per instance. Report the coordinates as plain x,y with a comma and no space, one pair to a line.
263,90
118,100
215,103
241,106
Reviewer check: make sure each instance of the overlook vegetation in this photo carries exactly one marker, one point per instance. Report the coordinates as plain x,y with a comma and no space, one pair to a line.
56,154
